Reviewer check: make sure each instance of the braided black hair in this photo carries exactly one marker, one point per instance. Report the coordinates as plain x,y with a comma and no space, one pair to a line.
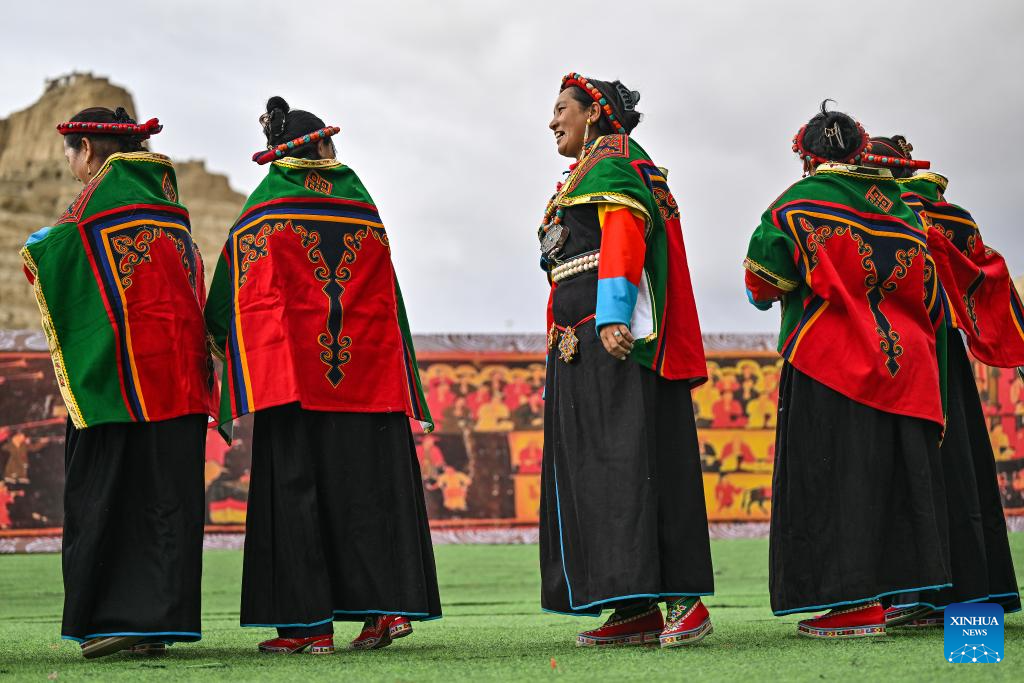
622,100
281,123
105,145
832,135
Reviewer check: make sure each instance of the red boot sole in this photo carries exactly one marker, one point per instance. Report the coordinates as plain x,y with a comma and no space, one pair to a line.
688,637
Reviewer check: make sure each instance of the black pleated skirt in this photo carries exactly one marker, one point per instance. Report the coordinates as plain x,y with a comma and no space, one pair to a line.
622,513
979,550
858,501
336,528
133,529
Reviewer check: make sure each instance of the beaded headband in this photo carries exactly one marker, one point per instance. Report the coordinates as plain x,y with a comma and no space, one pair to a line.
798,147
281,151
151,127
895,161
580,81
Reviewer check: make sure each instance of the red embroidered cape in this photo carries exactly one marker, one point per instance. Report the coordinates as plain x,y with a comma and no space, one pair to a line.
981,298
861,302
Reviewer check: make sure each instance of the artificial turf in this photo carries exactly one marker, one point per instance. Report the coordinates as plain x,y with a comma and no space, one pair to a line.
493,629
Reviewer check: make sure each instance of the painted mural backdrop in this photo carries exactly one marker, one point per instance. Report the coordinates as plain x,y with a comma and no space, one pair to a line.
483,462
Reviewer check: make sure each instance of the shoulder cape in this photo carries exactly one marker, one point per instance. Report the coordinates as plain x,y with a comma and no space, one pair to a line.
305,306
120,287
981,299
618,171
862,307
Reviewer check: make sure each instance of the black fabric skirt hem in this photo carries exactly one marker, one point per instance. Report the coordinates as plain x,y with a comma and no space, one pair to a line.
857,601
1009,601
156,636
858,504
352,615
337,527
596,608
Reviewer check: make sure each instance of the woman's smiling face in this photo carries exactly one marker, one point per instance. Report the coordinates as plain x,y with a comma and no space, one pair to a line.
569,123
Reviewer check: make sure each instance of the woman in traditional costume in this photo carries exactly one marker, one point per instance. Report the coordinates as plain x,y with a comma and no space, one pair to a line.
307,310
858,497
623,524
982,306
119,283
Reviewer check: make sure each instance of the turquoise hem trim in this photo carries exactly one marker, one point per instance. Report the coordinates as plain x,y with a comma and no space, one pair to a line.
815,608
379,611
316,623
192,636
937,608
653,596
572,614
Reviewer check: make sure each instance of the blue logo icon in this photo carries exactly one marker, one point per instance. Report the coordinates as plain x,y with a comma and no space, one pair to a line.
974,633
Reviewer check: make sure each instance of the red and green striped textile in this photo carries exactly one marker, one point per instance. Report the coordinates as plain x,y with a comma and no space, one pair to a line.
305,305
119,284
861,306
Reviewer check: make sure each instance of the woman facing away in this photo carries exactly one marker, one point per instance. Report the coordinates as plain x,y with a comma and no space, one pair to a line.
623,524
983,307
120,286
305,307
858,501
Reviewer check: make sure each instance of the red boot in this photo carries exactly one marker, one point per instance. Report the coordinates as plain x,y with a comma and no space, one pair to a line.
315,645
637,630
685,626
904,616
866,619
379,631
399,627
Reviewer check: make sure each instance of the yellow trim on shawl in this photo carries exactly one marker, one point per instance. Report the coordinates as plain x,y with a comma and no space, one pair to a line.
56,354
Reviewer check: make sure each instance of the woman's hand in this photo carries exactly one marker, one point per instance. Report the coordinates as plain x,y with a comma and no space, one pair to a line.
617,340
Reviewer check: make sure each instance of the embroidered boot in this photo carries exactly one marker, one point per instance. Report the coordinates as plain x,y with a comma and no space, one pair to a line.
859,621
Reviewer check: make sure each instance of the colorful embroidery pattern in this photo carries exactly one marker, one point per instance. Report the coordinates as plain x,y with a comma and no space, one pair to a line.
886,257
655,180
607,147
878,198
133,249
317,183
119,243
253,246
331,249
168,188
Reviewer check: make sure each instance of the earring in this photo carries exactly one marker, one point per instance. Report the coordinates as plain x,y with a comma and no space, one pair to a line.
586,135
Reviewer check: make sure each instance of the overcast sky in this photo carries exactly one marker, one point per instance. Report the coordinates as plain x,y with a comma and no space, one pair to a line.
444,109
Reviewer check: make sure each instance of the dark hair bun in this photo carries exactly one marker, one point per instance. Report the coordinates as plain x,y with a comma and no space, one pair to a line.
274,121
832,135
277,102
121,116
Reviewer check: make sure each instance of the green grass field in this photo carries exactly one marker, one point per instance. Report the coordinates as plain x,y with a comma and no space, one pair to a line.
493,630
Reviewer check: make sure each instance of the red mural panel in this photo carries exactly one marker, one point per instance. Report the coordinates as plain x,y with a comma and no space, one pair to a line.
482,464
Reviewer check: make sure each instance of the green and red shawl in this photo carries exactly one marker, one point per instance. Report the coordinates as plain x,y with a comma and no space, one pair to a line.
119,284
861,305
980,296
659,303
305,305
